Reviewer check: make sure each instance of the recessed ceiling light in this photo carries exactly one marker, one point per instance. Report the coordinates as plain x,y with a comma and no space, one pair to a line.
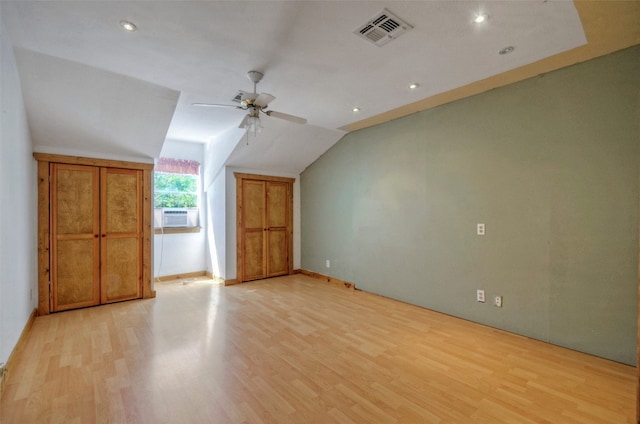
506,50
356,109
129,26
480,18
414,85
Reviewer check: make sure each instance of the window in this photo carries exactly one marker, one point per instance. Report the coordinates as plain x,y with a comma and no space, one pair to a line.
175,190
176,193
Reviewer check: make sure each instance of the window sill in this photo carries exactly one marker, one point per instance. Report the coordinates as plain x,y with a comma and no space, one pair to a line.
177,230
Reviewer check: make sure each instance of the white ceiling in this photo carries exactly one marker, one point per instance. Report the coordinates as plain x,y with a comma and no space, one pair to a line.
313,63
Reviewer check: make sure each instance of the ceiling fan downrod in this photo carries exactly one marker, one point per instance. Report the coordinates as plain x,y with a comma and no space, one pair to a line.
255,77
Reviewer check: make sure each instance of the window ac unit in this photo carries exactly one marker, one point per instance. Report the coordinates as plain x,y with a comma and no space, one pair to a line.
175,218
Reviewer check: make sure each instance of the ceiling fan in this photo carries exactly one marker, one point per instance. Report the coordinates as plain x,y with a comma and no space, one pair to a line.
256,103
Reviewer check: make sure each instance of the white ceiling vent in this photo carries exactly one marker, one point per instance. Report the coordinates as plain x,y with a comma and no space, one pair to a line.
238,97
383,28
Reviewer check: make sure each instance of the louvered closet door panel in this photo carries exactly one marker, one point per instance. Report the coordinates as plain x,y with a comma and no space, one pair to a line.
253,230
277,202
75,243
121,234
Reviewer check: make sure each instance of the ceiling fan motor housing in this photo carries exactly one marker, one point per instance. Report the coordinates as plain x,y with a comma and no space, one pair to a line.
248,99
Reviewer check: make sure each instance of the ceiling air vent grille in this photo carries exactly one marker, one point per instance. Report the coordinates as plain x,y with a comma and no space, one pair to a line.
382,28
238,97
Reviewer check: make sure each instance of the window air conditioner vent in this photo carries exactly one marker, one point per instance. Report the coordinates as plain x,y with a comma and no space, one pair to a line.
382,28
175,218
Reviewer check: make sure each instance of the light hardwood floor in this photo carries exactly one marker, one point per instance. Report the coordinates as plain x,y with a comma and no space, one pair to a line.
296,350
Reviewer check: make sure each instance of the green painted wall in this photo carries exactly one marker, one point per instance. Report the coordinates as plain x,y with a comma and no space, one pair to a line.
550,165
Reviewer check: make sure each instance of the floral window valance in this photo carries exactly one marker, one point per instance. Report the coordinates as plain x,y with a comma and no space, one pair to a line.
178,166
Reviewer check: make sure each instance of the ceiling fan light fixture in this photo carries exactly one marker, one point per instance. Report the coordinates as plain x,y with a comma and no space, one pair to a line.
252,124
255,124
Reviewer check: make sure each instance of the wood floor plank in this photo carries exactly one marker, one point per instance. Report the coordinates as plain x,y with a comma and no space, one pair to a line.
295,350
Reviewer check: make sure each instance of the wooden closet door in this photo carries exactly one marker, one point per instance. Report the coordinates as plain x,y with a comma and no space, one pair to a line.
253,230
75,243
121,234
264,226
277,228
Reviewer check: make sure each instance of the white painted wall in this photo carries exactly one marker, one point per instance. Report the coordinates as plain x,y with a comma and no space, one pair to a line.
175,254
179,253
216,230
18,200
216,154
230,183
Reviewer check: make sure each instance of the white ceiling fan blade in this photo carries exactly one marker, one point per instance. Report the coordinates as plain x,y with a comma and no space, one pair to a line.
245,122
286,117
263,100
214,105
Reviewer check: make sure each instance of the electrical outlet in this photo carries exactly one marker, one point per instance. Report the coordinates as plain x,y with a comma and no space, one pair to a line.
328,263
480,229
480,295
497,301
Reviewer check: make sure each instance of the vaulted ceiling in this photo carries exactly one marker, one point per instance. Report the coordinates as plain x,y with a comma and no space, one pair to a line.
93,88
